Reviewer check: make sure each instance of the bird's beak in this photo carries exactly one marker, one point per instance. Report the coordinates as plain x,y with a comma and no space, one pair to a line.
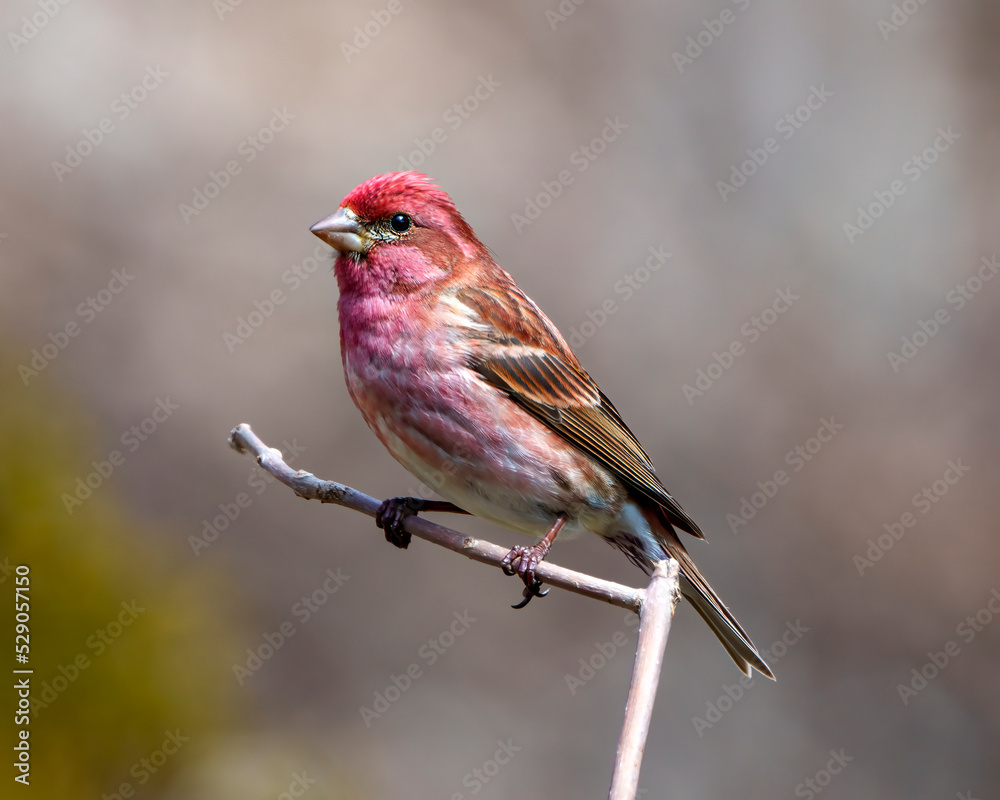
342,231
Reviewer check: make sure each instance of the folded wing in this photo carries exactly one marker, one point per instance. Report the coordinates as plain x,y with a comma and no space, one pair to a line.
520,352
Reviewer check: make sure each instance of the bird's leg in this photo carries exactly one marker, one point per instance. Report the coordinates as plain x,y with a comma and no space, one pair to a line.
392,512
528,558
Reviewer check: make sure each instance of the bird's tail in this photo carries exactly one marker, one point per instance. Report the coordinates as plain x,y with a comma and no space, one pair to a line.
706,602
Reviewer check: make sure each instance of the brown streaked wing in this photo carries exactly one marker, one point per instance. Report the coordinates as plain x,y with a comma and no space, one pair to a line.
534,372
514,317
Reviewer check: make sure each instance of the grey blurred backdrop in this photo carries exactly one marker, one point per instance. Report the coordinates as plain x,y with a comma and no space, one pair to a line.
818,184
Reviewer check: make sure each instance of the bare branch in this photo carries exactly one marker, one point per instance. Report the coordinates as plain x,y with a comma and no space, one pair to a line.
655,604
661,598
244,440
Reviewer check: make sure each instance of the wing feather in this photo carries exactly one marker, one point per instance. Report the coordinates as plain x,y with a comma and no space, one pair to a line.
520,352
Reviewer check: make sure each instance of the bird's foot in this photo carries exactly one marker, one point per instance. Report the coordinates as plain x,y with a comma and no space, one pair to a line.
390,516
521,561
392,512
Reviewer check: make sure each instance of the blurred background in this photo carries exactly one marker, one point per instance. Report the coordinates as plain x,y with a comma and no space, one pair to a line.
768,229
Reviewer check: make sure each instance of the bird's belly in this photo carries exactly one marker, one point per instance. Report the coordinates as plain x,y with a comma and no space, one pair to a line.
491,496
478,449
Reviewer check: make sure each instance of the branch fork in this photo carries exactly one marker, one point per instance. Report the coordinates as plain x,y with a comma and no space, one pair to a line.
654,605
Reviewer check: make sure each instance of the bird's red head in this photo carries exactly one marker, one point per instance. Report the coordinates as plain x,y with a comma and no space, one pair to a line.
397,232
383,195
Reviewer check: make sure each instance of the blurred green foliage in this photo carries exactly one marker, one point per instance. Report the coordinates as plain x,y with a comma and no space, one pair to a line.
132,637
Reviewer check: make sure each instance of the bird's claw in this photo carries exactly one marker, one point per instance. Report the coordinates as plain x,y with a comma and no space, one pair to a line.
531,590
526,559
390,517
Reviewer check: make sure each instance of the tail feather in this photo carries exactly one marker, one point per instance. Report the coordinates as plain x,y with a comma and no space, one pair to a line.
726,629
708,604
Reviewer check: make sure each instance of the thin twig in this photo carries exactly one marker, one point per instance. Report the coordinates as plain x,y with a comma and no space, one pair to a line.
244,440
654,604
661,598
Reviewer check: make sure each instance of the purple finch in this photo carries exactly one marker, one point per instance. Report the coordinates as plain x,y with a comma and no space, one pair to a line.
471,388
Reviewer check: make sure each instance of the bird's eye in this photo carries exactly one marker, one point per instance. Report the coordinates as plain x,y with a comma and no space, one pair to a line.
400,223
